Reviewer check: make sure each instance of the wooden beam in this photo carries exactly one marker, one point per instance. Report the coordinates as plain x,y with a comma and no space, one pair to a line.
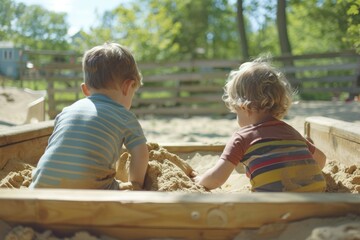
25,132
102,208
26,142
338,139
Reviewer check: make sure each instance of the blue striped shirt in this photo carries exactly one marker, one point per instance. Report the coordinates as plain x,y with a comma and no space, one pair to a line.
86,143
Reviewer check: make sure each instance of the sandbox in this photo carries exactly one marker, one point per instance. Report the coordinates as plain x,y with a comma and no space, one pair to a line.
222,214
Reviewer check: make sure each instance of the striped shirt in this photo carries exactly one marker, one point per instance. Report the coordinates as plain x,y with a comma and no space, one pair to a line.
276,158
86,143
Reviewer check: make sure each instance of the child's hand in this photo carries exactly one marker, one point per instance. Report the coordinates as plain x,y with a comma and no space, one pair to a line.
193,174
195,177
129,186
125,186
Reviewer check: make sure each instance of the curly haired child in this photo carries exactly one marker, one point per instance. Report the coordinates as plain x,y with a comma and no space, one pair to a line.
276,157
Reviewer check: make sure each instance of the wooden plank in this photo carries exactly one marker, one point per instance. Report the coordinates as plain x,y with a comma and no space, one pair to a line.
57,91
25,142
216,63
339,140
326,79
163,210
61,66
330,89
64,78
25,132
28,151
191,88
186,77
329,67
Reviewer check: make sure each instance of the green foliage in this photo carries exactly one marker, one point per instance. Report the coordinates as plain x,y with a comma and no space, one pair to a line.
353,20
33,26
7,12
178,30
38,28
317,26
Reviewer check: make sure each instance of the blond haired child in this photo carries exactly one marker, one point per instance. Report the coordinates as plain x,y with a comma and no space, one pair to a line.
276,157
89,134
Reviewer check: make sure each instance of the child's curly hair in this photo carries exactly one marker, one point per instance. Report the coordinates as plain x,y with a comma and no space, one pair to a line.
258,86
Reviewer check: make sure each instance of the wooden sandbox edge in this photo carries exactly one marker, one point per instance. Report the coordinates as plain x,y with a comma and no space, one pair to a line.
26,142
339,140
143,213
25,132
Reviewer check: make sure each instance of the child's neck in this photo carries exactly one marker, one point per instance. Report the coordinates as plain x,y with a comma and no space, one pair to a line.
256,117
114,94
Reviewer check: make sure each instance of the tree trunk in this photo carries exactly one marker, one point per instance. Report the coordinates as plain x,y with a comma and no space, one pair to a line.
285,45
242,31
282,28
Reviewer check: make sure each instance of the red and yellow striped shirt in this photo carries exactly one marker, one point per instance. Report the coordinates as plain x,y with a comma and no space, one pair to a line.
276,158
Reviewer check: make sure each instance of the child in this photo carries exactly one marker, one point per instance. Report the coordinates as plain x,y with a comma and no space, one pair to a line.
88,135
275,156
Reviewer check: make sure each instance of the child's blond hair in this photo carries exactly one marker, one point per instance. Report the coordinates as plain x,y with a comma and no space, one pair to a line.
108,65
258,86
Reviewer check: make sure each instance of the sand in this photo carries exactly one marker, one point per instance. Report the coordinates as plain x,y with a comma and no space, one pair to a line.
340,228
166,171
170,172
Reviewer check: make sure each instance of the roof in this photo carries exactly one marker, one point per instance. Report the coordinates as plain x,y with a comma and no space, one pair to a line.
7,44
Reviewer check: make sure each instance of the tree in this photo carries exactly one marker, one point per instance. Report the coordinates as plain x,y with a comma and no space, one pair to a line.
7,12
242,31
281,22
38,28
172,29
353,23
318,26
285,45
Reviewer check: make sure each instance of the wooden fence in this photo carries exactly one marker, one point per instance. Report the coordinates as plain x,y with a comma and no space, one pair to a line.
195,87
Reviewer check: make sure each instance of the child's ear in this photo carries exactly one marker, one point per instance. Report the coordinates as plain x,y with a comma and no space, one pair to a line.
85,89
127,85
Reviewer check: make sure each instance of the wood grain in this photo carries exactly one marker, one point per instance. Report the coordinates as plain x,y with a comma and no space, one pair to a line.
339,140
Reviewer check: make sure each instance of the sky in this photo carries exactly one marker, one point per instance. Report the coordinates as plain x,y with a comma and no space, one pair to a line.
81,14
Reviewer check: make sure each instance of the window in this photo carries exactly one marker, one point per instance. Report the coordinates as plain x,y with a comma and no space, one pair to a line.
8,54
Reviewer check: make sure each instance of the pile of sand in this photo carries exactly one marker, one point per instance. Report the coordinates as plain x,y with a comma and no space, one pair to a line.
16,174
166,171
341,178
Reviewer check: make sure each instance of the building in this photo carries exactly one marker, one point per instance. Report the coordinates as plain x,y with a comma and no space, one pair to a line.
12,59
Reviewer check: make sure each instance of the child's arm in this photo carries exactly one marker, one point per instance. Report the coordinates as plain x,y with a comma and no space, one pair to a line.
217,175
138,164
319,157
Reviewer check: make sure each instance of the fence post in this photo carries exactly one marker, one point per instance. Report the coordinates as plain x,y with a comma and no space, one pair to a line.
50,94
